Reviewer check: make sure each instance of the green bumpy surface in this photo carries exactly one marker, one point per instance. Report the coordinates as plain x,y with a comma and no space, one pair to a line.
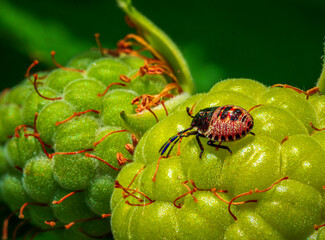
288,210
28,175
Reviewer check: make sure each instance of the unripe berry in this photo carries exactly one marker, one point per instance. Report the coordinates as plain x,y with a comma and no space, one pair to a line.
269,186
63,140
37,179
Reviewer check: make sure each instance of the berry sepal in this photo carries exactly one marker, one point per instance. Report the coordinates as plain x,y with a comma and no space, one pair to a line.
166,48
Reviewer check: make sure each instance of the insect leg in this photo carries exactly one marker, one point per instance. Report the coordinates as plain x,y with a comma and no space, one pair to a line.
188,112
211,143
200,144
171,148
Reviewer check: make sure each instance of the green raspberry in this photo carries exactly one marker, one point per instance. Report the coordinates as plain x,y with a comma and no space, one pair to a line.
76,135
3,162
83,60
63,140
60,78
107,70
71,177
13,192
10,118
82,94
116,101
34,103
96,200
37,179
270,187
19,150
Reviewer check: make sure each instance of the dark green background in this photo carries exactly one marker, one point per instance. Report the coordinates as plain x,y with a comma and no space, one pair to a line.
270,41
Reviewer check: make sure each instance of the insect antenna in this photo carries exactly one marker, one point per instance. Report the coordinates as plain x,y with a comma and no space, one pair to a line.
180,138
171,140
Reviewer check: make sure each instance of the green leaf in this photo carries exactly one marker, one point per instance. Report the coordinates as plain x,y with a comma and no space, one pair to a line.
162,43
321,80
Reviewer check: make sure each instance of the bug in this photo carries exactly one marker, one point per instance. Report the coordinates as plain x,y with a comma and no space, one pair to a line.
218,124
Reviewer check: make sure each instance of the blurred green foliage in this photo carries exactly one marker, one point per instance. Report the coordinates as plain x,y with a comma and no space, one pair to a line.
270,41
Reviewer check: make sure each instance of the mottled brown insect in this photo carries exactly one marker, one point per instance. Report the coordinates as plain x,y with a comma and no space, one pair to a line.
218,124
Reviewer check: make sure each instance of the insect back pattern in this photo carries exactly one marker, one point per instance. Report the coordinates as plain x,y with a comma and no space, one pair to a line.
218,124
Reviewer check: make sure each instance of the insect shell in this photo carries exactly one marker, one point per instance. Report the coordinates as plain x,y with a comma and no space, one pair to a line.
218,124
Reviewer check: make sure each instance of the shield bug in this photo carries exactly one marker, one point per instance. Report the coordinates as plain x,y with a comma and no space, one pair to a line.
218,124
